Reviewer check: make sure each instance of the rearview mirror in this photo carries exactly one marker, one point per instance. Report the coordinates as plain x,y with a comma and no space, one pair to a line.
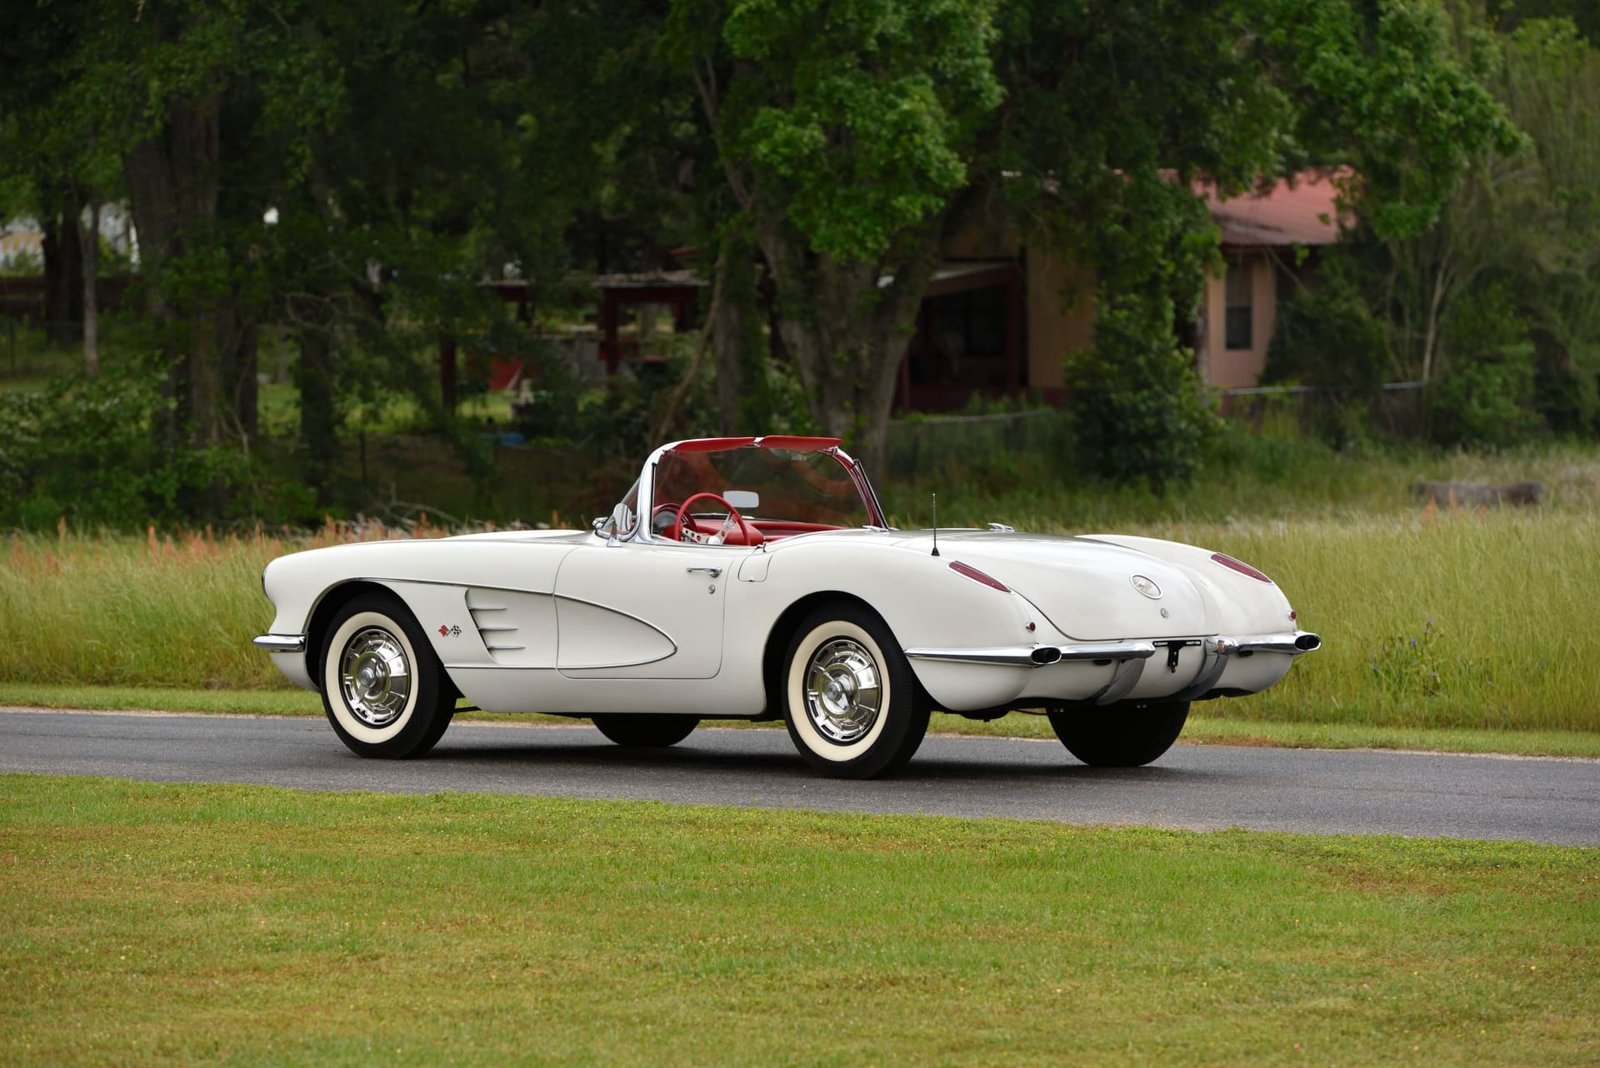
743,500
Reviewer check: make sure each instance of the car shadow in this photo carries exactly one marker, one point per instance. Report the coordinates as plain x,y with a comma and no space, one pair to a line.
716,758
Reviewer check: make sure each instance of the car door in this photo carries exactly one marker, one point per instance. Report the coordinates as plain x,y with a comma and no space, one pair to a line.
651,610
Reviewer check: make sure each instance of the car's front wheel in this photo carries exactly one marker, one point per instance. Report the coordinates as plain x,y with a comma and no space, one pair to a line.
1126,735
646,731
382,686
852,705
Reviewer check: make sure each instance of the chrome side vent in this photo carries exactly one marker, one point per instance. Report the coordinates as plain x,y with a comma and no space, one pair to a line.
494,623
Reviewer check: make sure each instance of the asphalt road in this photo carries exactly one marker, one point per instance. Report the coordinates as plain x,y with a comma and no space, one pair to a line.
1196,787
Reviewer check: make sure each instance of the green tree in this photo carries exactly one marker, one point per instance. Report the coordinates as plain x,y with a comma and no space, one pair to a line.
1524,222
54,162
852,134
844,132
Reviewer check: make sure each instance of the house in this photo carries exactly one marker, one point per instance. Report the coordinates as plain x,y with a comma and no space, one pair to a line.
1000,316
1267,241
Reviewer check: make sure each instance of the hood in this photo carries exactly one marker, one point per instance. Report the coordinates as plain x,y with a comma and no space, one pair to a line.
1085,588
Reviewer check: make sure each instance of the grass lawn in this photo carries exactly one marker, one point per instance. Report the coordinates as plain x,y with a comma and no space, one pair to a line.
144,923
1208,724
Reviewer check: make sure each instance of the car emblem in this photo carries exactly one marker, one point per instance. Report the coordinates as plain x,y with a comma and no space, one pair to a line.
1146,587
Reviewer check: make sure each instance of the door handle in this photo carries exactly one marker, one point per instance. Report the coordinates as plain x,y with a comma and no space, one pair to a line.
712,571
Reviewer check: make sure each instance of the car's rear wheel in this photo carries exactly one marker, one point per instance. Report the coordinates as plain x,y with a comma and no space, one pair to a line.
646,731
852,705
1126,735
383,688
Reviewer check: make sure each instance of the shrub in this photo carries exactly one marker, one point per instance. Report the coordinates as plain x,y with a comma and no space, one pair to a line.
1328,339
1485,395
1139,412
83,450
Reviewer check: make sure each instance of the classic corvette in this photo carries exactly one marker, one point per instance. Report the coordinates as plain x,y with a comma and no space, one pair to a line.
757,578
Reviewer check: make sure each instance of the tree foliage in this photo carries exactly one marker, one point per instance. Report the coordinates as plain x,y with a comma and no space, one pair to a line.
820,153
1520,232
844,132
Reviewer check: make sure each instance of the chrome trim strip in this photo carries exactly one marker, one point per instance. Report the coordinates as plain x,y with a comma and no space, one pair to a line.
1034,656
1019,656
280,643
1108,651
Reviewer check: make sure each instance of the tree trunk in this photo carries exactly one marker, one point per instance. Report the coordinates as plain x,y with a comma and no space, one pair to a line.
727,337
319,421
62,247
172,180
241,366
847,326
742,338
91,298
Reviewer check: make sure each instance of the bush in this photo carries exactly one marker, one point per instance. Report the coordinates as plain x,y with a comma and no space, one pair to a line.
1485,395
83,450
1139,412
1328,339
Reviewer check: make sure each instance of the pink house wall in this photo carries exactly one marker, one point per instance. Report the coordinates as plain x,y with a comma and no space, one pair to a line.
1233,368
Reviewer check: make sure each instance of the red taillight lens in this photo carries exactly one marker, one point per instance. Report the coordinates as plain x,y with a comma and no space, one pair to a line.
1240,566
978,576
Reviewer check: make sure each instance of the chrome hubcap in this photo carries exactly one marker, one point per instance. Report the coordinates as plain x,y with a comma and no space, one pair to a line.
375,677
843,694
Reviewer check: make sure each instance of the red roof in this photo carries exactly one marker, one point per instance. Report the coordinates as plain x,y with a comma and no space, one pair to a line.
1295,211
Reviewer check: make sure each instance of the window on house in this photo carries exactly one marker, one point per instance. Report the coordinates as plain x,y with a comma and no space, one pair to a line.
1239,310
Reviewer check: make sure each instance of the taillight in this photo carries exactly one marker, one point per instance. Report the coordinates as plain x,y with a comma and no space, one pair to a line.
1240,566
978,576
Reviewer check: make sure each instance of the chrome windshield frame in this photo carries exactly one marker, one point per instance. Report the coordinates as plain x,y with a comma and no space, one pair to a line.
643,530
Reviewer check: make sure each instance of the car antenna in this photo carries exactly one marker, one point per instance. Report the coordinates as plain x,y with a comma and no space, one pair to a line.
936,524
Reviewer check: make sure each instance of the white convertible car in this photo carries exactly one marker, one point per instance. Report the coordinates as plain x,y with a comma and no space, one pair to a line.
757,578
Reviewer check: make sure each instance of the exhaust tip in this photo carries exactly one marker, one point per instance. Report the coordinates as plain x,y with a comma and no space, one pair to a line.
1045,654
1307,642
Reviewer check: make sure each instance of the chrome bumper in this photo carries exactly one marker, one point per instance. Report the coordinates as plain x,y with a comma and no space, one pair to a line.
1039,655
280,643
1130,657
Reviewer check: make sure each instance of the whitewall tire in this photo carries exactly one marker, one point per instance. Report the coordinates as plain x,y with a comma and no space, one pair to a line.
853,708
383,689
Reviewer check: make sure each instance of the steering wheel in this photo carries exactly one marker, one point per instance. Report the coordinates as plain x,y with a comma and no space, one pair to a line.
734,525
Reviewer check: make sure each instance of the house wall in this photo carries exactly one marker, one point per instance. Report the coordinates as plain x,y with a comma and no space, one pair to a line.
1233,368
1060,317
1060,310
17,242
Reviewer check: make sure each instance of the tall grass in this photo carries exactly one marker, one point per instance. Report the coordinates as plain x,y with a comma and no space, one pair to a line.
163,610
1443,618
1247,476
1431,617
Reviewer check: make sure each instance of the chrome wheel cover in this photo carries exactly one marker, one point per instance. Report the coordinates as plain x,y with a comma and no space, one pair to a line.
375,677
843,695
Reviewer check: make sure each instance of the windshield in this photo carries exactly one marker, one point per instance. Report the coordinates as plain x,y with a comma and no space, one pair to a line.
781,491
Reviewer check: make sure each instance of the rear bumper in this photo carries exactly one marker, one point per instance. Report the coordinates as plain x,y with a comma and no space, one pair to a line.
1293,643
1188,669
